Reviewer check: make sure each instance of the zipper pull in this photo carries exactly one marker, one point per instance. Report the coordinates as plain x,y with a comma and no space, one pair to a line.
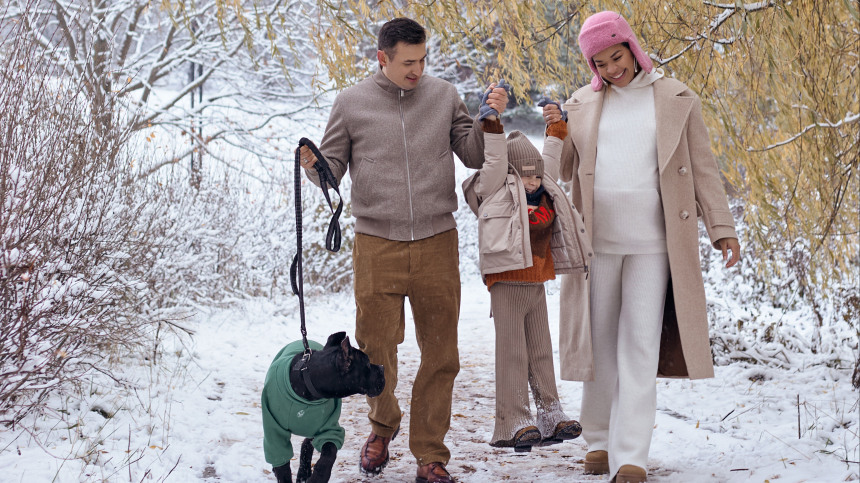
401,92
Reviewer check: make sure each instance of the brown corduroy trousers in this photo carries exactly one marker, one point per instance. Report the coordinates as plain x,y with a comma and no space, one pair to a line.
523,359
428,272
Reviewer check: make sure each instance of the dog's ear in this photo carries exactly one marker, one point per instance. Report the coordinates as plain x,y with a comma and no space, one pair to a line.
335,339
344,357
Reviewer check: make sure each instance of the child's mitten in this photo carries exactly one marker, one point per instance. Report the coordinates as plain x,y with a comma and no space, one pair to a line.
487,110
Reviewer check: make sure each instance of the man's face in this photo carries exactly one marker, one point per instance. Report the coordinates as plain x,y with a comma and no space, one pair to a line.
406,64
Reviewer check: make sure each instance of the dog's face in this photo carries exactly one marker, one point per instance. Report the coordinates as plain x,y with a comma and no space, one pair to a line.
340,370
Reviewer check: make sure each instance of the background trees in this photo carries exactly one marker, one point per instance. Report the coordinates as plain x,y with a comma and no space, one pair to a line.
207,71
779,80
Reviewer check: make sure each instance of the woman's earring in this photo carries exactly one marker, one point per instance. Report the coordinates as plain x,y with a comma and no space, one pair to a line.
635,66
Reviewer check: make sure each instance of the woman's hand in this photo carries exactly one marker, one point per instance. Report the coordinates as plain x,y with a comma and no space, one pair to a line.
732,244
551,114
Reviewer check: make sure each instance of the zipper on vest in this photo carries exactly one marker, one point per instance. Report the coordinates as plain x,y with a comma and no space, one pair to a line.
408,177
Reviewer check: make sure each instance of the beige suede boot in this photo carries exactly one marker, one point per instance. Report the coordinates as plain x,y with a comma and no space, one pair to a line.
631,474
596,463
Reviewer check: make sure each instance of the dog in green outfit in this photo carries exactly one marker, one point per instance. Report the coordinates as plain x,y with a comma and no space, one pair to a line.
292,405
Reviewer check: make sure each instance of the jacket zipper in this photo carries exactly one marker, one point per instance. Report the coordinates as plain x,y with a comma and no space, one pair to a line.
408,176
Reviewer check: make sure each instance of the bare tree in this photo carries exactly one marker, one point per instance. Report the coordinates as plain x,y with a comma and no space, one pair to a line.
134,55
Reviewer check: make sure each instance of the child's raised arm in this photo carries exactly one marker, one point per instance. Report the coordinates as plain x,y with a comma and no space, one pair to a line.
556,132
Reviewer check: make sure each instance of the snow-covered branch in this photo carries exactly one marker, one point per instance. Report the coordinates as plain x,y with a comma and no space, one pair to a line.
150,59
729,10
848,119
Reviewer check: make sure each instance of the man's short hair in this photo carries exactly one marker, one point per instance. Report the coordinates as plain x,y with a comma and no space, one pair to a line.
400,29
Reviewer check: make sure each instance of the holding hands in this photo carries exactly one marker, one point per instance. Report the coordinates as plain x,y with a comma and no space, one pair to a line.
552,112
494,101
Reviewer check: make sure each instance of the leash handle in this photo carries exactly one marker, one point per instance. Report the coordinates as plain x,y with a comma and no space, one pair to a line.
327,180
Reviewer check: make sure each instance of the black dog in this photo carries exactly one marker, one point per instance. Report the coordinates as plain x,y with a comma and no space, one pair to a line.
335,371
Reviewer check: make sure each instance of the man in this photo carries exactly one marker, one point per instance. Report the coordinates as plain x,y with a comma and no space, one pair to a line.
396,133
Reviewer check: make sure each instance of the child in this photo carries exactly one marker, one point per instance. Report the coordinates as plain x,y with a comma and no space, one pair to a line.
528,231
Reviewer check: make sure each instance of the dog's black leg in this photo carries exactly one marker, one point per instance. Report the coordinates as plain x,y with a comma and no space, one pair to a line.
283,474
305,455
322,470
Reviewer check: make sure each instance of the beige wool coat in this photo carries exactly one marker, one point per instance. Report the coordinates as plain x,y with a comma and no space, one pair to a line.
690,187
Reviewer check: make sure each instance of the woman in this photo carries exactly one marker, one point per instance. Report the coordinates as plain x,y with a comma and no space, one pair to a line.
639,159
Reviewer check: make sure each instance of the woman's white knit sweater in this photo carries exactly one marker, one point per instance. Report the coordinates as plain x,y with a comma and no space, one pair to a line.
628,210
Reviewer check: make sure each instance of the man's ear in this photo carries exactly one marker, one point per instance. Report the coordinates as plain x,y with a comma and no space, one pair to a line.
335,339
381,57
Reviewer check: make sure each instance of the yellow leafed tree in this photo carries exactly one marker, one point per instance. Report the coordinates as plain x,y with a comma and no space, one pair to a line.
779,80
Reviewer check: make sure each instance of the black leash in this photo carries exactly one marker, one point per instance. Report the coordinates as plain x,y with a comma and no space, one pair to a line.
332,243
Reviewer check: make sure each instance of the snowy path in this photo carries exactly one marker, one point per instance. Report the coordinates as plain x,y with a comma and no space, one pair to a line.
757,441
203,418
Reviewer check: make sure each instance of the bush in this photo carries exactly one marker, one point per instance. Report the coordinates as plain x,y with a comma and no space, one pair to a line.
75,225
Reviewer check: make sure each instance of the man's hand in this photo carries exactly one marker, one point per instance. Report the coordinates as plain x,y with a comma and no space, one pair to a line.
494,101
307,158
732,244
498,98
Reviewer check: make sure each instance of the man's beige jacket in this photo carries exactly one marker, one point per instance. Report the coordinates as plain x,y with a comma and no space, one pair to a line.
399,147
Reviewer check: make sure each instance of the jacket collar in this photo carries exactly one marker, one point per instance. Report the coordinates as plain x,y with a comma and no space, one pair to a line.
388,86
671,112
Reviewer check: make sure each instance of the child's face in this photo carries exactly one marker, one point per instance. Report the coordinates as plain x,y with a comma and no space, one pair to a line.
531,183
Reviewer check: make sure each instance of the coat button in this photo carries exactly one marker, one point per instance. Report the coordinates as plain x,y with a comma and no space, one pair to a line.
485,215
582,230
682,171
684,215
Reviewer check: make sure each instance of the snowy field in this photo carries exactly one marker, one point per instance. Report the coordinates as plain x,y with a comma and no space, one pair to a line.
196,416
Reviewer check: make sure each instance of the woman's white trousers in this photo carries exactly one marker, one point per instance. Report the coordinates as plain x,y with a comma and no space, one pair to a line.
618,407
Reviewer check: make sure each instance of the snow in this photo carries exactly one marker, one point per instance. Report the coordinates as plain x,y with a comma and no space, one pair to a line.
196,413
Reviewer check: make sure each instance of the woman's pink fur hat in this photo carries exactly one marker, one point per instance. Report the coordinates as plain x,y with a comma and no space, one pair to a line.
603,30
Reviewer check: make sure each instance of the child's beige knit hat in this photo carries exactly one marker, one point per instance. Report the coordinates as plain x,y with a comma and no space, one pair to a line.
523,155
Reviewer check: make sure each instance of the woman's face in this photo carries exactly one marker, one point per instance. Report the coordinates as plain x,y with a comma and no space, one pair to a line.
615,64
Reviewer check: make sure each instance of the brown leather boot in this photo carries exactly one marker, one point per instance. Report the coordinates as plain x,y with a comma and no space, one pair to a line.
374,454
597,463
433,473
631,474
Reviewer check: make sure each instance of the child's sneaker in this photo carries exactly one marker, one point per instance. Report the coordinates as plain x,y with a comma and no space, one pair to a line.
564,431
522,442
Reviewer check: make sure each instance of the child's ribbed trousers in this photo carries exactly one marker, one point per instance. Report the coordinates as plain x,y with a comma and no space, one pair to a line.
618,407
523,359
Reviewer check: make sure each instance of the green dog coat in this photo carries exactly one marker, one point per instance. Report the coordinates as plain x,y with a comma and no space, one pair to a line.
285,413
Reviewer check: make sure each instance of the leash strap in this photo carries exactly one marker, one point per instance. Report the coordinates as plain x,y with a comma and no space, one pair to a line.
332,244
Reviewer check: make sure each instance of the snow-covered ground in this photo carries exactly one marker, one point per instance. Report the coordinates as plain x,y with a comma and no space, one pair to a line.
196,414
